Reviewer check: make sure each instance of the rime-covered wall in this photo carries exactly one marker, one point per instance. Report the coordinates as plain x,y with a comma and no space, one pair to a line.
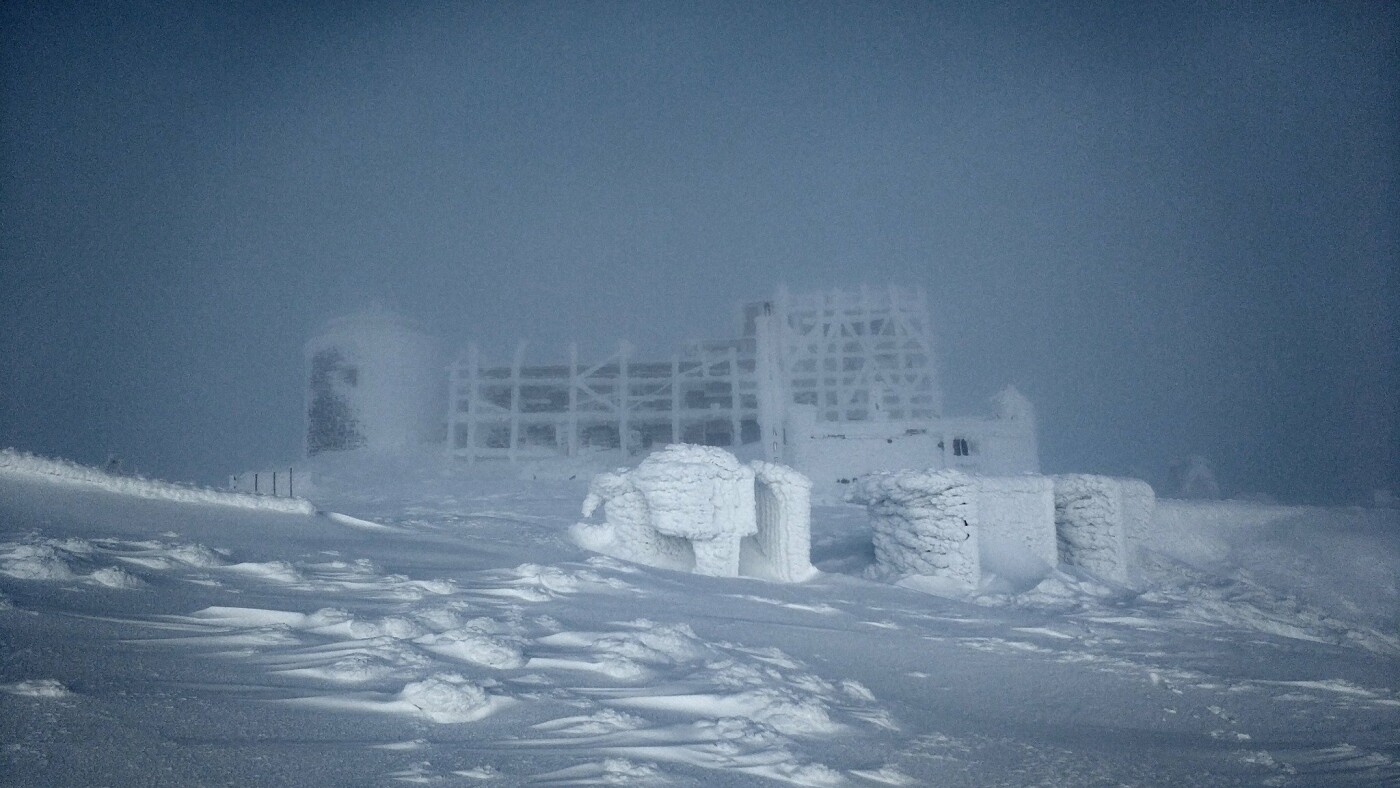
1101,522
944,523
703,494
924,523
1017,513
697,508
784,511
373,381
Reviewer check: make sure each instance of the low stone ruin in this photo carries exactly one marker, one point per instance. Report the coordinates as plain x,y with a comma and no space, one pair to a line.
1099,521
942,524
924,523
697,508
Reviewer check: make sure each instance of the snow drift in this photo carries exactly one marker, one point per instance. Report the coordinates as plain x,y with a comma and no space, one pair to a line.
22,464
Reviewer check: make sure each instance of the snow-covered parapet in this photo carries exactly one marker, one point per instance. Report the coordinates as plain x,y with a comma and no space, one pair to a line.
1016,514
694,507
924,523
1100,521
783,499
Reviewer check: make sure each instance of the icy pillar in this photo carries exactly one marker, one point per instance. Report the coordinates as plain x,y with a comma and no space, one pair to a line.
783,502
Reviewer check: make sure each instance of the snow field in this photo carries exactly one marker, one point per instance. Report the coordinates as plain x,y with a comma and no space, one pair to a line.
466,638
472,651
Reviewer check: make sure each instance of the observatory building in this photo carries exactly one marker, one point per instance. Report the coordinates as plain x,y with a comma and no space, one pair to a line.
836,383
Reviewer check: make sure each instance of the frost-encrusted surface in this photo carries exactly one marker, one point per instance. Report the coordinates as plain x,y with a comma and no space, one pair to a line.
703,494
784,507
691,507
924,523
1018,512
627,531
1100,522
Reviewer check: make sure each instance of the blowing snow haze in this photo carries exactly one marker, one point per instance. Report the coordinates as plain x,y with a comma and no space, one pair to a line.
1173,227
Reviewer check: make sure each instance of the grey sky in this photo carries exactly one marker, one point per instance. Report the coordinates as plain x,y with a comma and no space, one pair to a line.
1173,226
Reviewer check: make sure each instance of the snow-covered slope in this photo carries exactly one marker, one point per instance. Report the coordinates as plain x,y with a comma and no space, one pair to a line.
447,630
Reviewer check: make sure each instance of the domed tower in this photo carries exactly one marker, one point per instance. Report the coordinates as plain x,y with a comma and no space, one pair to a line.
1012,432
375,381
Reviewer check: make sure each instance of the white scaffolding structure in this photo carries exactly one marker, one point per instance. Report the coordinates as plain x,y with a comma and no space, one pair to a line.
855,355
864,355
524,411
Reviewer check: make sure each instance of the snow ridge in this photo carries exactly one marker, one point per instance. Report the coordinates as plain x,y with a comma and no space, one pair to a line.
23,464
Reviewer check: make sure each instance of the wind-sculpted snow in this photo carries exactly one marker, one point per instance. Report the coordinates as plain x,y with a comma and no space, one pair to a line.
22,464
37,688
469,640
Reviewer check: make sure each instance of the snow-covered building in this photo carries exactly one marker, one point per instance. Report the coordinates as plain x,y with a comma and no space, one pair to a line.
836,384
374,381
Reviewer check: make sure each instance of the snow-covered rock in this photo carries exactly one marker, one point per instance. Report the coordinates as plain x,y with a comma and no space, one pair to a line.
1100,521
924,524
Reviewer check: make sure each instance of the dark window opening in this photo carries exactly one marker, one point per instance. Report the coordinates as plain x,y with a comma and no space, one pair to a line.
960,447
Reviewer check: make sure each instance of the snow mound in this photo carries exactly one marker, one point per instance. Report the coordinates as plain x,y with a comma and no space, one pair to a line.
469,645
116,577
447,698
37,688
396,627
35,562
64,560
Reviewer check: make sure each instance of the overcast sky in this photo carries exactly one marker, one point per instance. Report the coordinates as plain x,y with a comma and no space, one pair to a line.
1173,226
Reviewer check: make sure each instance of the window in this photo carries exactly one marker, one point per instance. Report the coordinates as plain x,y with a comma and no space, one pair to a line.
961,448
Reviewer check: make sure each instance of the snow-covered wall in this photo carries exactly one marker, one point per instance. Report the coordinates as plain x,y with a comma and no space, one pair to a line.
374,381
697,508
834,453
924,523
703,494
1100,522
630,535
784,511
1017,513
